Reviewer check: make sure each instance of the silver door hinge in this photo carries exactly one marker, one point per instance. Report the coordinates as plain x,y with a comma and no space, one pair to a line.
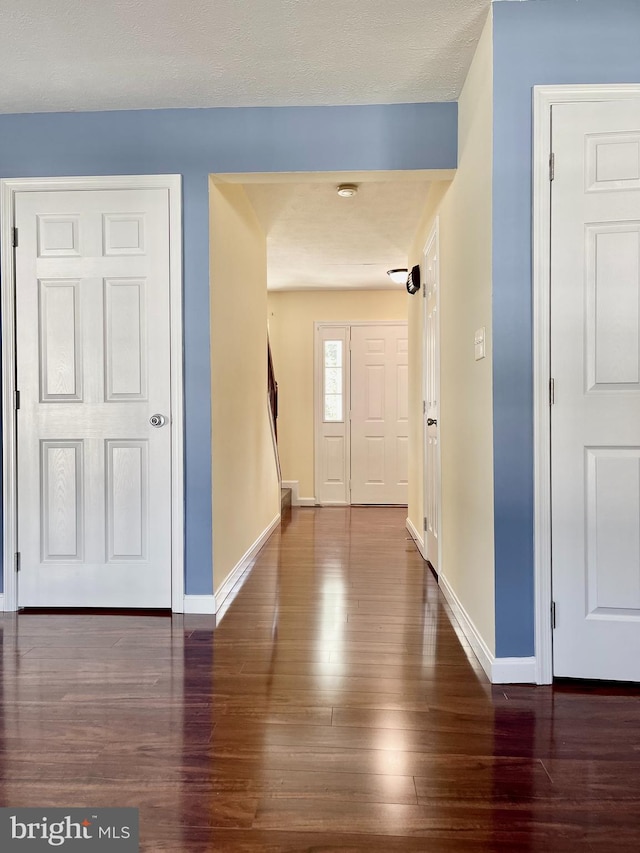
552,166
16,400
15,237
17,561
553,614
552,391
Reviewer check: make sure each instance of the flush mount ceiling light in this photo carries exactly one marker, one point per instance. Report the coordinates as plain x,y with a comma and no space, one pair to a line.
398,276
347,190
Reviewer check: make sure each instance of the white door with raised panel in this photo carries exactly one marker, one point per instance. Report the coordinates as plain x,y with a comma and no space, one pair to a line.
93,369
595,364
379,414
431,411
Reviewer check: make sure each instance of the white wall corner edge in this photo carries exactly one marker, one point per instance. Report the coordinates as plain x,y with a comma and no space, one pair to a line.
200,604
296,500
244,565
498,670
419,540
1,602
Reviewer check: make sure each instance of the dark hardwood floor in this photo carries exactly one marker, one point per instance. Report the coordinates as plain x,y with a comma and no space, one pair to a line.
334,708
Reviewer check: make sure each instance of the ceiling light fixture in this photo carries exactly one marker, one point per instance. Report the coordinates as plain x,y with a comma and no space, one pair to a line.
398,276
347,190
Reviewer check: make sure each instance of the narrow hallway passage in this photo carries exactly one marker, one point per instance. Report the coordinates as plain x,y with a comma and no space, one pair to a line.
334,708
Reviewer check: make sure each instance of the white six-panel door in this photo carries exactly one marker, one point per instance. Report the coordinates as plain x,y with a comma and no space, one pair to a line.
93,366
379,414
595,364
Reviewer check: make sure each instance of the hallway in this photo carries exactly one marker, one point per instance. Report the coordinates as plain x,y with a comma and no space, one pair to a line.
335,708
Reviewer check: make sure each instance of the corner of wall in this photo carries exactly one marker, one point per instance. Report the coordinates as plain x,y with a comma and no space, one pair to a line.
464,208
245,486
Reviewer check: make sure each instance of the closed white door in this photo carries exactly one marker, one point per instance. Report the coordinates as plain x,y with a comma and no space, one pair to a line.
431,402
93,367
595,364
379,414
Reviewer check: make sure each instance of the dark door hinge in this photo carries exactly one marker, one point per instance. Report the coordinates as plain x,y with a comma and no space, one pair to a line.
425,522
16,400
553,614
552,166
15,237
17,561
552,391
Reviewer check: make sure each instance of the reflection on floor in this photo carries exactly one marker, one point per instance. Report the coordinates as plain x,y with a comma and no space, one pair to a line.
333,709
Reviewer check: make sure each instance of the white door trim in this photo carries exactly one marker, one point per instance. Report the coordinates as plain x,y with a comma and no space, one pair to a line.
8,189
434,236
544,97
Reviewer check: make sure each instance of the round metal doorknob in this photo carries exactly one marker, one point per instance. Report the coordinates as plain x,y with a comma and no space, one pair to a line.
432,422
157,420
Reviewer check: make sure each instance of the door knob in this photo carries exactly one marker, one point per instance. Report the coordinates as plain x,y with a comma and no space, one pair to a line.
432,422
157,420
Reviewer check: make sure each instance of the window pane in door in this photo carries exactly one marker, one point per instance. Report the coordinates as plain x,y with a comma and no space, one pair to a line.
333,381
333,407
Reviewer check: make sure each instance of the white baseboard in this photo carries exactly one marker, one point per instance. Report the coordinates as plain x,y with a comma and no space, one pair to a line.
419,540
498,670
200,604
243,565
469,630
296,500
513,671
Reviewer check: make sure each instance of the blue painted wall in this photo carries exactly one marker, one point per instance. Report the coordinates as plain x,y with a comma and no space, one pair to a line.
195,143
535,42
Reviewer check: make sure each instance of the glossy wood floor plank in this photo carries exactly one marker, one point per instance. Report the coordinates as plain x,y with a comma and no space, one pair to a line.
334,708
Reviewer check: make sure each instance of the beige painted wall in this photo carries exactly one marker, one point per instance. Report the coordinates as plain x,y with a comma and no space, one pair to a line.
466,415
246,496
291,318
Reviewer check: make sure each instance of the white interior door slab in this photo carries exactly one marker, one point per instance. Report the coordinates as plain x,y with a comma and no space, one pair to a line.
93,366
595,363
379,414
431,414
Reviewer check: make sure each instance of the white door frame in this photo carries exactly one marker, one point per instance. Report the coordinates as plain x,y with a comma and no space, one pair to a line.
8,190
434,237
317,395
544,97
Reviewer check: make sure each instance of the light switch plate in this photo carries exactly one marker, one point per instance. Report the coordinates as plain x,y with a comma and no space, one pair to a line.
478,341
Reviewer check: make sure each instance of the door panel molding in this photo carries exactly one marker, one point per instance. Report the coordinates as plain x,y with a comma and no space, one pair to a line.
8,190
544,97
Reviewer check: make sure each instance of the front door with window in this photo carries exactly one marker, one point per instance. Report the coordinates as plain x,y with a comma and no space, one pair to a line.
362,413
93,369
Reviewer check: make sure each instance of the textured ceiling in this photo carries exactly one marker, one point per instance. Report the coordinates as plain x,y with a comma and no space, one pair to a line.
133,54
317,240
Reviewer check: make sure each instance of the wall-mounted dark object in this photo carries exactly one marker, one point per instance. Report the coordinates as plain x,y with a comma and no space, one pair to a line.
413,280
